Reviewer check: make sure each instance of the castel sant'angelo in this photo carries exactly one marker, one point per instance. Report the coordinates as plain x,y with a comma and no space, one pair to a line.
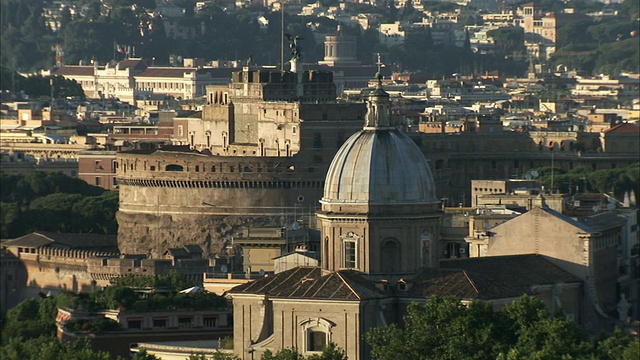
259,149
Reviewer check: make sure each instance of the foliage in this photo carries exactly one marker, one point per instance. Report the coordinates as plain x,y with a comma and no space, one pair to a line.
29,319
606,46
50,348
284,354
143,355
173,280
121,296
616,181
40,86
93,326
39,201
28,333
217,356
508,39
444,328
330,352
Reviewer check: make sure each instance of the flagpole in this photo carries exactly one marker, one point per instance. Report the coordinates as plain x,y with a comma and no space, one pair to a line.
282,36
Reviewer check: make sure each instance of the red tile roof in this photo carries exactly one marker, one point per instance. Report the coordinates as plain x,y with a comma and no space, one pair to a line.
136,64
168,72
77,70
311,283
624,128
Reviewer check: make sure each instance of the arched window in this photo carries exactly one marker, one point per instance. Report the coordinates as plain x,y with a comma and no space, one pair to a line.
390,255
316,334
174,167
350,250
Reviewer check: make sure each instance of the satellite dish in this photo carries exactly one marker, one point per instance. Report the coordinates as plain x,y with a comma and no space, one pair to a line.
611,206
261,272
528,176
224,268
596,208
295,226
535,174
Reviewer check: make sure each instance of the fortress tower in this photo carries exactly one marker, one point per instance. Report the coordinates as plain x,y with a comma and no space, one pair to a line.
254,157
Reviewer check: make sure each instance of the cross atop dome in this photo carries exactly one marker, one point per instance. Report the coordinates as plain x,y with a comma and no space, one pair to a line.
379,73
378,105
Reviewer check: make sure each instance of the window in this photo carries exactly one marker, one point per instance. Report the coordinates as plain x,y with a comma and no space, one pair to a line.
317,341
184,322
210,321
134,323
180,130
159,323
97,181
391,252
316,334
349,250
174,167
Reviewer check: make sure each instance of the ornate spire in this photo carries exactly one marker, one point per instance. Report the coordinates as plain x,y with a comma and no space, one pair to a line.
378,105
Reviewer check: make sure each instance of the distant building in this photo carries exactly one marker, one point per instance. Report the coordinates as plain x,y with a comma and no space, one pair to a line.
132,80
590,248
98,167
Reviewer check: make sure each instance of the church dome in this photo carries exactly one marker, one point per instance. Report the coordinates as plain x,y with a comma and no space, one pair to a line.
379,166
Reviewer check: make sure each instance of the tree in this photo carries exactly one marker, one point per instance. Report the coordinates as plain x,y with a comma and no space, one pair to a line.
508,39
444,328
143,355
217,356
440,328
284,354
330,352
53,212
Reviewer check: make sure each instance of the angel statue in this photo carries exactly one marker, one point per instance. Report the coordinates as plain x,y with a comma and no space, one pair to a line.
296,50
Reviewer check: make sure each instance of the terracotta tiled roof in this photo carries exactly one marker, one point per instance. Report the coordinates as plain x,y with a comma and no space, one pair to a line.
165,72
66,240
624,128
310,283
509,276
136,64
71,70
178,72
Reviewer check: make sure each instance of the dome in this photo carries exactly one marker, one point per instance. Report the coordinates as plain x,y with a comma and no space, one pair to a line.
379,166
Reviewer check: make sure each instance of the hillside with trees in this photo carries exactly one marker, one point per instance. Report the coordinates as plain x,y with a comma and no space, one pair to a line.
97,30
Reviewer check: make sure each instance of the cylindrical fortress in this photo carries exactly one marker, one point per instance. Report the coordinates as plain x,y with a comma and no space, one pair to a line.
173,198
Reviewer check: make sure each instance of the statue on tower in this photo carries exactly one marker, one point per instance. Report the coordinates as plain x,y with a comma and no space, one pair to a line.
296,50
